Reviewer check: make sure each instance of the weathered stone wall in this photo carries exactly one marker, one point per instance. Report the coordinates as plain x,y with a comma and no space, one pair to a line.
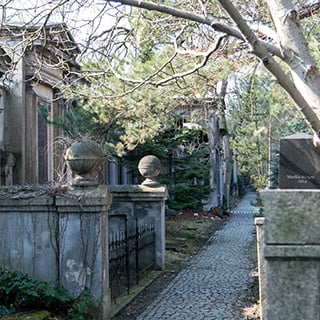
28,241
291,252
63,237
59,238
83,240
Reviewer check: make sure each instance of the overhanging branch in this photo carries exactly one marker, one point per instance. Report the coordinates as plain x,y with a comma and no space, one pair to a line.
269,62
196,67
187,15
183,14
309,10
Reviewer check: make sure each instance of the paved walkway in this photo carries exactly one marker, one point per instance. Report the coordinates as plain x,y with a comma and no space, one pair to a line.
213,286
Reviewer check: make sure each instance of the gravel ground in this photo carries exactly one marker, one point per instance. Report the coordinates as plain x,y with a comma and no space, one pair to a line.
217,285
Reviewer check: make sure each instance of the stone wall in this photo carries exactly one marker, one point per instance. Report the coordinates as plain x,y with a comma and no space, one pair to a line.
63,237
291,253
59,238
28,241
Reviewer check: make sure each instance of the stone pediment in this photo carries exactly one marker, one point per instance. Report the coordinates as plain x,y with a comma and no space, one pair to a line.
48,50
56,36
58,39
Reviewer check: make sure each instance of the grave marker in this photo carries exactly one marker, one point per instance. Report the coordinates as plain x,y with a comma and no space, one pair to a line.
299,163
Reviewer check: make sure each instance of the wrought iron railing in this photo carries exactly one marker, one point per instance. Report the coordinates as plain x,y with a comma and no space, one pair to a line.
131,256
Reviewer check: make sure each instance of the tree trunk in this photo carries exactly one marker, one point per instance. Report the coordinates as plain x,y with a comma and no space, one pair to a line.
214,144
305,87
308,105
296,53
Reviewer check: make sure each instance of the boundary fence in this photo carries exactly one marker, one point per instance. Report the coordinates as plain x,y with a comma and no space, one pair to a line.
131,255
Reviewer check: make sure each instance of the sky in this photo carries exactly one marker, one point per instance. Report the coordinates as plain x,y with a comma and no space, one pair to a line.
81,16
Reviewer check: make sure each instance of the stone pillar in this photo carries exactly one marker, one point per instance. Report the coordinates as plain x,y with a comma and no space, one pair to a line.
83,241
292,254
83,227
2,119
145,204
113,173
259,222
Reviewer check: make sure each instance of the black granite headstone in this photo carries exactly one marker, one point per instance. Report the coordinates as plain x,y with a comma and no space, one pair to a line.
299,163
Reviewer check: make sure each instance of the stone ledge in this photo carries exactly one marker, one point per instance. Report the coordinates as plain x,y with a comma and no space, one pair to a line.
137,193
292,251
259,221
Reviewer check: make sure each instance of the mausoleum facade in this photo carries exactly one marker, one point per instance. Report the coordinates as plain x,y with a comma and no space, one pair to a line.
34,62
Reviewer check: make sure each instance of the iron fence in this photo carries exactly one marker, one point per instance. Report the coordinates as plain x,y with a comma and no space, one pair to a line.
131,256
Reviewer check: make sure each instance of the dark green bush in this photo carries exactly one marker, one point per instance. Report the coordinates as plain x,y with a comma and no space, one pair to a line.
187,197
20,292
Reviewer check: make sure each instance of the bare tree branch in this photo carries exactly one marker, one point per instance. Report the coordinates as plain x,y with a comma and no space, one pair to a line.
309,10
269,62
183,15
218,26
196,67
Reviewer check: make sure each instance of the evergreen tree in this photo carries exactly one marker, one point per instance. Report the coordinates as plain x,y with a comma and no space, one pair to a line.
184,155
260,115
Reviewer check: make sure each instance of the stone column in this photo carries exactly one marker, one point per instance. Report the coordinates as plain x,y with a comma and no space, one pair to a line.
8,169
145,202
2,119
292,254
259,222
83,227
150,167
83,242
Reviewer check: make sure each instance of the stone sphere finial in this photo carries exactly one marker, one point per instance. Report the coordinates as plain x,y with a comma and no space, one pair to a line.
84,158
150,167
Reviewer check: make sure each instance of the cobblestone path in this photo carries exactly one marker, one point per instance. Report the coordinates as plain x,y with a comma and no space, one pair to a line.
214,285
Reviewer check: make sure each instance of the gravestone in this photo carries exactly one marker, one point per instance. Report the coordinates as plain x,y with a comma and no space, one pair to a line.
299,163
289,238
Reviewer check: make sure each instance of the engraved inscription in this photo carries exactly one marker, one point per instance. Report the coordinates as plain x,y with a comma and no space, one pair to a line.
300,178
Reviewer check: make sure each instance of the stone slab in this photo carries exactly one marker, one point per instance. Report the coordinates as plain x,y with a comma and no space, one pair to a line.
292,251
93,200
259,222
299,163
292,216
28,243
293,289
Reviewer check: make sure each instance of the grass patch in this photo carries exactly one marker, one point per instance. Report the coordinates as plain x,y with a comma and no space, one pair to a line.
184,238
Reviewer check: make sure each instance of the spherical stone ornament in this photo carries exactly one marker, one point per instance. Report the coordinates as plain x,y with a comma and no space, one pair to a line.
149,167
84,158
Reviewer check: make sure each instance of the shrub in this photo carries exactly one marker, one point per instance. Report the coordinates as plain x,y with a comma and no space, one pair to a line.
184,197
20,292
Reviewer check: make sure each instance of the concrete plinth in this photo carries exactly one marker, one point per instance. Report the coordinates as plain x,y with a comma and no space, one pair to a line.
291,252
259,222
